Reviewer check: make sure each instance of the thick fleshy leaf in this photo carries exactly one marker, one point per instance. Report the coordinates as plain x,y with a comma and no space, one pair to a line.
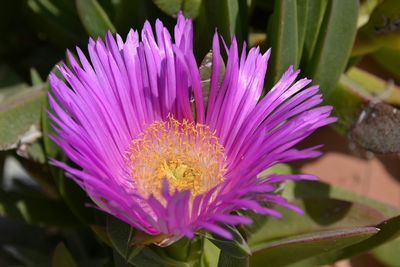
189,7
121,236
94,18
20,115
227,260
388,230
333,47
187,250
62,257
388,253
302,18
237,248
315,14
285,251
321,214
156,257
210,254
282,37
228,16
35,77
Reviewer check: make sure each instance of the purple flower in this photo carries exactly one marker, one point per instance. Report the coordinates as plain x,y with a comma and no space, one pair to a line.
154,155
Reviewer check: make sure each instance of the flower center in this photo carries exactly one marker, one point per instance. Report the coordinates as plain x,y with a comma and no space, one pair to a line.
188,155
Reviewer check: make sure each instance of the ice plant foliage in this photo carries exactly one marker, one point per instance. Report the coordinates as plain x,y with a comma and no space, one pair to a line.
151,152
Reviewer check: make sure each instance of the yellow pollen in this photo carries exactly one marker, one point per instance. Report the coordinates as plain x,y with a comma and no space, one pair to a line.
188,155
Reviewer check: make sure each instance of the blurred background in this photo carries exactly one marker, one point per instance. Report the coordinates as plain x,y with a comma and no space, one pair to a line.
350,47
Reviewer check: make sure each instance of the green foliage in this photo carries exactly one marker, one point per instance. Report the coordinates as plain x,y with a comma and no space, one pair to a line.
94,18
285,251
188,7
62,257
334,43
283,38
20,115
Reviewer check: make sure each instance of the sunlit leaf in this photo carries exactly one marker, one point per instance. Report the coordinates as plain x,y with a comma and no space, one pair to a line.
20,115
388,230
320,214
285,251
334,44
210,254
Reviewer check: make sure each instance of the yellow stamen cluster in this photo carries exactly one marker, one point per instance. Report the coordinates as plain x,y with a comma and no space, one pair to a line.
188,155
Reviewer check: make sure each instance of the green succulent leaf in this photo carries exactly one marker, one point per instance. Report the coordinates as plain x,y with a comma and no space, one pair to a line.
94,18
389,230
121,236
210,254
172,7
282,37
237,248
321,214
227,260
388,253
228,16
334,44
314,16
62,257
289,250
302,18
20,115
